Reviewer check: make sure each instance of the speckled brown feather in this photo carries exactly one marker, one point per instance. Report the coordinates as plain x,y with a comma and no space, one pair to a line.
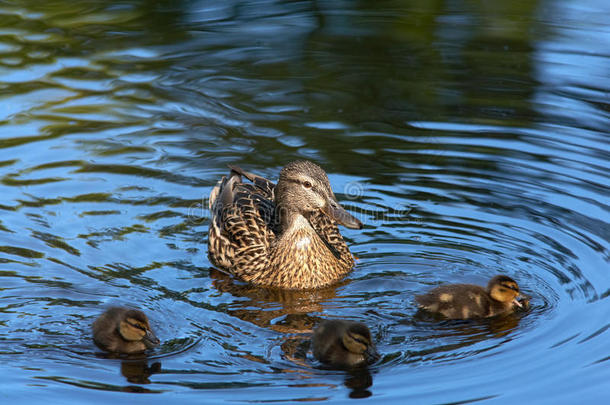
245,238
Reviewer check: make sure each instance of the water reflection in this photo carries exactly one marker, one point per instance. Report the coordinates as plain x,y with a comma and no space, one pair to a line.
286,311
139,371
134,367
451,339
297,350
358,381
290,313
489,120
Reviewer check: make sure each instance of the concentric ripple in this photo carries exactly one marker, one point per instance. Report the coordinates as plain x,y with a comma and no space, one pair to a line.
470,141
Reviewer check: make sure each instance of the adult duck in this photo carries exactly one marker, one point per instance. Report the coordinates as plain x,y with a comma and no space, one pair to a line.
282,235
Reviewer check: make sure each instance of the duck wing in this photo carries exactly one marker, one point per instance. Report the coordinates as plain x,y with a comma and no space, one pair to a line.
266,186
244,222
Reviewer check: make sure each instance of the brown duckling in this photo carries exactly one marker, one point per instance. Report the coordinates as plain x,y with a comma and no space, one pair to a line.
343,344
465,301
123,330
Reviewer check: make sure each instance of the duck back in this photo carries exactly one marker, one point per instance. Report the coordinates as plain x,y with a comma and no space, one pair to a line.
458,301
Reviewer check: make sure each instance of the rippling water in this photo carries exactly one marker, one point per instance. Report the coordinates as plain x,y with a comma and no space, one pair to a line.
471,138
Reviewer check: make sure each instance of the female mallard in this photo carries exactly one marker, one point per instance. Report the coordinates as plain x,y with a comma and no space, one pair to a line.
465,301
343,344
123,330
281,235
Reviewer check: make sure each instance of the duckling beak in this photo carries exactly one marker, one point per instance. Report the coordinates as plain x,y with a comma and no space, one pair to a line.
150,340
371,354
522,301
338,214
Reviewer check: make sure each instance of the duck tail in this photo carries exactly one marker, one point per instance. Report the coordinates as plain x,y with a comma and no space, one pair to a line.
259,181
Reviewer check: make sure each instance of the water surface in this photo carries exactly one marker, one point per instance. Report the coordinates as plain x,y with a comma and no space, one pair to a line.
470,138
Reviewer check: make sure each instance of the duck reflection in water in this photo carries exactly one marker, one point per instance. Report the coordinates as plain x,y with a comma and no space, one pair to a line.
138,371
126,334
280,310
135,368
344,346
471,312
288,312
450,335
348,346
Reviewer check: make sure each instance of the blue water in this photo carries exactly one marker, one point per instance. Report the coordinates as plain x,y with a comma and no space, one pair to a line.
470,138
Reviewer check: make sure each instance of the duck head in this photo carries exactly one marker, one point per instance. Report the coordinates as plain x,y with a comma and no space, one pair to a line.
504,289
303,188
357,339
134,327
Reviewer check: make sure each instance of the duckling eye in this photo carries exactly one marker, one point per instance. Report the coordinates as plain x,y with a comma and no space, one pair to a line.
511,287
360,339
307,184
137,325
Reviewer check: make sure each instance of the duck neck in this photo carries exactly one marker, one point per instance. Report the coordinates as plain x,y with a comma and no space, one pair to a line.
288,216
293,221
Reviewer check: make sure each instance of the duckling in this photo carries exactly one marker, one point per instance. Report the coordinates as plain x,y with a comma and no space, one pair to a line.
343,344
123,330
465,301
282,235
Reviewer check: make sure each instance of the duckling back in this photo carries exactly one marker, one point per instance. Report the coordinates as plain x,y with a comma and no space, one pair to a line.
464,301
457,301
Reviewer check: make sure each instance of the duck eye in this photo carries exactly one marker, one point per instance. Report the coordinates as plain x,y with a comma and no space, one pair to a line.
307,184
511,287
137,325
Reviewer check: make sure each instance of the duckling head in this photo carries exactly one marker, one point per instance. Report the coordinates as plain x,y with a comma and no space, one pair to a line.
357,339
135,327
303,188
504,289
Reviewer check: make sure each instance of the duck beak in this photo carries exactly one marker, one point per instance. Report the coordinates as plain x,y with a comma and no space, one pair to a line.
150,340
371,354
338,214
522,301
